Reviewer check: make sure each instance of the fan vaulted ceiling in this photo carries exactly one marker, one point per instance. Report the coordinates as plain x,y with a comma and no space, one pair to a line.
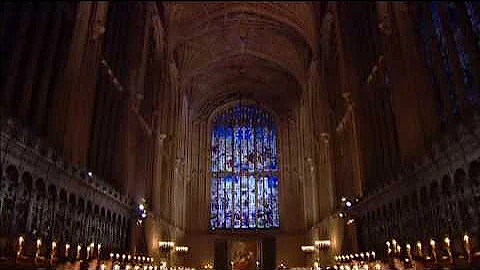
227,50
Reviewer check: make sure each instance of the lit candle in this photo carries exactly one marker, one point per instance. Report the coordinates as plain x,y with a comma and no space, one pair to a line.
434,253
449,250
409,251
54,250
67,247
111,256
79,248
88,252
20,245
466,241
98,250
373,254
419,249
39,245
394,244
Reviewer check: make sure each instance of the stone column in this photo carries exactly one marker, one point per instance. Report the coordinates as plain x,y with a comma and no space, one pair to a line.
356,155
158,173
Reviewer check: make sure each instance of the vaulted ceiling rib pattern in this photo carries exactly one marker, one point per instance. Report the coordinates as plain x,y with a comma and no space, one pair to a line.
257,49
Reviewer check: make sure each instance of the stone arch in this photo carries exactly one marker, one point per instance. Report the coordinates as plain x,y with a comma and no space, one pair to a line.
474,172
459,179
52,193
423,194
27,182
413,200
89,207
62,196
40,187
12,174
72,201
446,186
434,190
81,205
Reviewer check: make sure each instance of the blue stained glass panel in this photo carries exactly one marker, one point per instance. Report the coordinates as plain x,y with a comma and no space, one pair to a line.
252,206
244,185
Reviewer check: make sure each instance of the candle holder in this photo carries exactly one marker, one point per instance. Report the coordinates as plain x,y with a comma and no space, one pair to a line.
449,249
54,251
434,252
419,249
21,240
67,248
468,248
38,247
79,248
409,252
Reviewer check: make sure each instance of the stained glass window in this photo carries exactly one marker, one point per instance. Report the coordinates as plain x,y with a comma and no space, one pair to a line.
244,170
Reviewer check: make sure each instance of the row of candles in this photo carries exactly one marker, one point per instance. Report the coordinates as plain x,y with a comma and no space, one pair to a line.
89,255
394,248
357,256
38,246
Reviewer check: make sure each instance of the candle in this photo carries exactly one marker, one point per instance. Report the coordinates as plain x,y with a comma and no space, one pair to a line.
20,245
54,249
419,249
79,248
88,252
98,250
409,251
39,245
67,247
449,250
434,253
466,241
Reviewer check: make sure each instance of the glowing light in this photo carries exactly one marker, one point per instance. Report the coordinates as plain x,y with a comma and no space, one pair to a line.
447,241
348,204
307,248
466,238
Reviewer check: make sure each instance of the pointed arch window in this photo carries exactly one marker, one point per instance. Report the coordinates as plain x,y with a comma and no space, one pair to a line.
244,169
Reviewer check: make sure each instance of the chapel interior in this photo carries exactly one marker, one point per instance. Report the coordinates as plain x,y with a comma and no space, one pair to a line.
239,135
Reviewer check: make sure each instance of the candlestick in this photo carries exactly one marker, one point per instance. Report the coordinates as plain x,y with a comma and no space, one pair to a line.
54,250
466,241
409,252
419,249
20,246
67,247
39,245
449,250
434,253
79,248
